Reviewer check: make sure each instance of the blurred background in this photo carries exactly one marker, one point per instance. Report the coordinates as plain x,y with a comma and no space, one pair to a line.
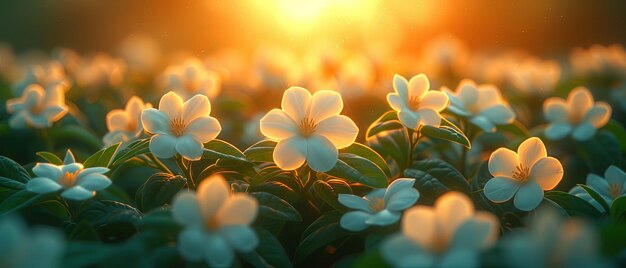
542,27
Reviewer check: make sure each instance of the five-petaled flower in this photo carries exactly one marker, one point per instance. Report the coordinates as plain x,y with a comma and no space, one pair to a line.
37,108
450,234
482,104
217,223
380,207
415,103
191,78
180,127
125,125
525,174
611,187
578,115
309,128
77,182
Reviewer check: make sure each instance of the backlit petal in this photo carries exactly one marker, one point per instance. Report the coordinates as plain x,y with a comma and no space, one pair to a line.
500,189
528,197
290,153
296,102
278,125
324,104
547,172
338,129
530,151
503,162
321,154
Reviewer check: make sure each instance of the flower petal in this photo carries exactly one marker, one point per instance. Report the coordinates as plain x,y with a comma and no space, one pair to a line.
579,101
483,123
47,170
467,91
460,258
547,172
599,184
217,252
477,232
396,102
499,114
401,86
400,251
189,147
384,217
212,194
241,238
290,153
296,102
239,209
615,175
354,221
117,120
488,95
434,100
171,105
42,185
278,125
584,131
163,145
418,86
396,186
203,129
530,151
339,129
77,193
93,182
528,197
155,121
429,117
402,199
503,162
500,189
191,242
197,106
557,131
354,202
324,104
186,211
420,225
598,115
451,210
321,154
409,119
555,110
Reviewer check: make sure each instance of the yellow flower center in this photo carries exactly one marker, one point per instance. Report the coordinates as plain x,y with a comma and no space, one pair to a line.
68,179
377,204
521,173
414,102
212,223
615,190
177,126
307,126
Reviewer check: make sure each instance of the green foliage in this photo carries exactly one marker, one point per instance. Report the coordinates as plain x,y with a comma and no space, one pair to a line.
158,190
573,205
102,158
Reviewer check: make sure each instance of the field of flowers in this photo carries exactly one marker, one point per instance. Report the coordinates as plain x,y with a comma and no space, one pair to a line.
441,158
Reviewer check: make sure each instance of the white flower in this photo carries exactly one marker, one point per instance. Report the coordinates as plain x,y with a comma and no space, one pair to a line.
550,241
380,207
450,234
101,71
611,187
125,125
578,115
599,60
216,223
525,174
77,182
37,108
191,78
415,104
51,75
22,247
309,128
180,127
483,104
535,77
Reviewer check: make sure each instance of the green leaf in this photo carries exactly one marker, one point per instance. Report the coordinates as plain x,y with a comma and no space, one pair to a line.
387,121
11,184
50,157
618,208
444,172
601,151
131,150
160,221
158,190
274,207
573,205
103,157
219,149
74,133
327,193
20,200
358,169
369,154
393,144
596,197
516,128
114,221
448,133
321,232
269,253
261,151
12,170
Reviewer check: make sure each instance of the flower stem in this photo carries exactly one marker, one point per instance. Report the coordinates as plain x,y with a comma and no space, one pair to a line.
159,164
185,169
